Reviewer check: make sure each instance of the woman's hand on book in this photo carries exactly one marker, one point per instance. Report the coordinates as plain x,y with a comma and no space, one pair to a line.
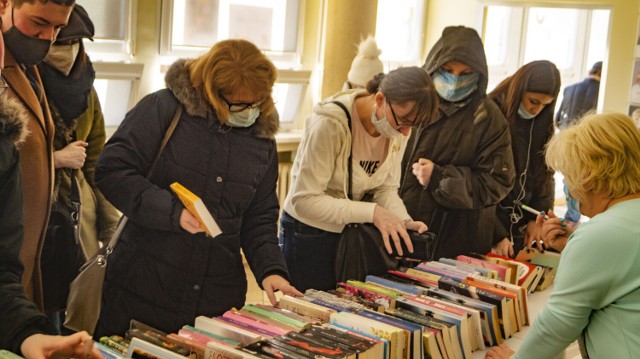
503,248
189,222
274,283
78,345
499,352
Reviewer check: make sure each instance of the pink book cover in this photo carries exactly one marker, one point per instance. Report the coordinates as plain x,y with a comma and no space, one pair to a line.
433,304
200,338
502,270
254,323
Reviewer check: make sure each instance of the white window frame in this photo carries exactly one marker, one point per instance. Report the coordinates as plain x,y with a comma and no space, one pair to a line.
104,49
519,32
120,71
415,58
284,59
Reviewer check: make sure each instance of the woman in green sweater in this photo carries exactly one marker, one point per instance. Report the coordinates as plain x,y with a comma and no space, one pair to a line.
596,294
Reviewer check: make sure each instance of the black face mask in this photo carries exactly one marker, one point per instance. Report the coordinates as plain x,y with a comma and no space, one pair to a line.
25,49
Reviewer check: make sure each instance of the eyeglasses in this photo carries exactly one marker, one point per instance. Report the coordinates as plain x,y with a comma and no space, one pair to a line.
3,85
403,121
240,106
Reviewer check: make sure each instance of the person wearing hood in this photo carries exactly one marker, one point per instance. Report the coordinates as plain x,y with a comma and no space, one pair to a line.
28,29
165,271
68,75
459,166
527,99
24,329
373,133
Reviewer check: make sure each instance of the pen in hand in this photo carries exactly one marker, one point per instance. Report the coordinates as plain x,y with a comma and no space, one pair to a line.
529,209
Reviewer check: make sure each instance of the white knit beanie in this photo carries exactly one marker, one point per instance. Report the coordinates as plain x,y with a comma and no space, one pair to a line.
366,64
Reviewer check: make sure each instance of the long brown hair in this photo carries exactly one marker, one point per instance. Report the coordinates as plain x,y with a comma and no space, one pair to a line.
229,66
540,77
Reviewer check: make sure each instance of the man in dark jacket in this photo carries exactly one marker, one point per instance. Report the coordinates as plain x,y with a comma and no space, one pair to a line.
459,166
579,98
22,325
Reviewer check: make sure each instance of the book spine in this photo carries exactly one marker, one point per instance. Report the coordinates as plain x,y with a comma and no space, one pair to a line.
275,316
306,308
5,354
231,342
255,323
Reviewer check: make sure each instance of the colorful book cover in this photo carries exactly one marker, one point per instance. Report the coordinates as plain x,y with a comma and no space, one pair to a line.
195,206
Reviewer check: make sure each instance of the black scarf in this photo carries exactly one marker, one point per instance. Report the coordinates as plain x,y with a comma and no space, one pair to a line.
69,94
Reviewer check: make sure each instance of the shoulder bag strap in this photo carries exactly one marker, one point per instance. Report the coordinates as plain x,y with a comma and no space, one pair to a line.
350,165
123,221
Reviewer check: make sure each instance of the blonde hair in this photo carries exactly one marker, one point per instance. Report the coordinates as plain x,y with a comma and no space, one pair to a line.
230,66
600,154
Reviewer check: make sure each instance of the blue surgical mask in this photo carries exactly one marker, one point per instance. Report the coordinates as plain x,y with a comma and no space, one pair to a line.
455,88
383,126
573,203
524,114
244,118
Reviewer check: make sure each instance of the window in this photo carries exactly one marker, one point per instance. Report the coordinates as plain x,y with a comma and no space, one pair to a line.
114,30
117,88
190,27
399,31
572,38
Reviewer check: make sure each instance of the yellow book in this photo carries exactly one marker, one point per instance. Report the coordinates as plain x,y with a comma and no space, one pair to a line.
195,206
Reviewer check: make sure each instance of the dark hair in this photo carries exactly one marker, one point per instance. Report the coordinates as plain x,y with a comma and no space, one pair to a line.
18,3
537,76
408,84
596,69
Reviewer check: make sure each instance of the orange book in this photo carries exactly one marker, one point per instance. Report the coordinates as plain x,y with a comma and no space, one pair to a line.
195,206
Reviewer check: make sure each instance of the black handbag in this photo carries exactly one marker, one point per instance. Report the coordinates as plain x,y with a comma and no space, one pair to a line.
62,254
361,251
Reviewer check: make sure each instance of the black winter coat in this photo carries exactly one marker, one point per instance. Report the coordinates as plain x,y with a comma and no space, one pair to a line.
470,145
539,186
160,274
19,316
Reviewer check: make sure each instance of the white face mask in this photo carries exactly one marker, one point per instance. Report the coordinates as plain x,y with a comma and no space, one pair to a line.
62,57
383,126
244,118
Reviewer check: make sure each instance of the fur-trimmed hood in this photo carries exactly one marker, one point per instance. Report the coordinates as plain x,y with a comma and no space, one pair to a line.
13,120
195,104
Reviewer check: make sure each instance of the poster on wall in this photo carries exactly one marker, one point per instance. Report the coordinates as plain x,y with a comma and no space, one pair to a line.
634,95
634,113
638,41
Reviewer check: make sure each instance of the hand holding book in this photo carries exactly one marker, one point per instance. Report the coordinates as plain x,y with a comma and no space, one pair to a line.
200,218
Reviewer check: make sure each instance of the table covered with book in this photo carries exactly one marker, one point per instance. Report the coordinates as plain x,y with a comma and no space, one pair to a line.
450,308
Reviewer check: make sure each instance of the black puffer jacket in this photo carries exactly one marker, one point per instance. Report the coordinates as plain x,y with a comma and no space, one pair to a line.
470,144
160,274
19,317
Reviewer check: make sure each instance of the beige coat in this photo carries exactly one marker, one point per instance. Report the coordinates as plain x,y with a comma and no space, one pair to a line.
36,166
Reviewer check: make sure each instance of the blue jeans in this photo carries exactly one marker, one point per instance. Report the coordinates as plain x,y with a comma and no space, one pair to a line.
309,253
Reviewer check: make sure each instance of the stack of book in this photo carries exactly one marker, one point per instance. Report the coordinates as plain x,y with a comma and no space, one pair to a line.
439,309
